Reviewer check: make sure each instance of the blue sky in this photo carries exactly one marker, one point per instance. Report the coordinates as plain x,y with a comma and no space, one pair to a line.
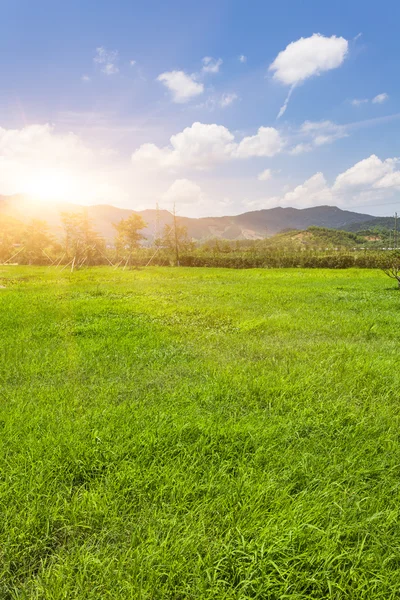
93,91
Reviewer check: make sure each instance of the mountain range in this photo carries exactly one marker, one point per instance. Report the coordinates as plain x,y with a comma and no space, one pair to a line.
249,225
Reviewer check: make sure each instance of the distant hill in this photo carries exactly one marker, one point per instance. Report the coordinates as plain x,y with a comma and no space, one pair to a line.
250,225
320,238
374,223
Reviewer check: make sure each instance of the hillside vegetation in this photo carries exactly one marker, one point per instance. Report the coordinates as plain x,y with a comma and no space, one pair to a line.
251,225
199,433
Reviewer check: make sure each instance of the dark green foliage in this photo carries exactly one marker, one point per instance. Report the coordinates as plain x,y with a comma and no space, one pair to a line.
199,434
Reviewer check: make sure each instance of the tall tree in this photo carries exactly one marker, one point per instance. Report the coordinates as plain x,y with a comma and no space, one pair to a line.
81,241
176,240
11,234
390,264
128,235
36,240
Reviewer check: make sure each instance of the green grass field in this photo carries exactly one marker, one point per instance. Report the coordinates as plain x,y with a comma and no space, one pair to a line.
199,434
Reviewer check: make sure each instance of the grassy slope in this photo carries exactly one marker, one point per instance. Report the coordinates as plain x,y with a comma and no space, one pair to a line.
199,434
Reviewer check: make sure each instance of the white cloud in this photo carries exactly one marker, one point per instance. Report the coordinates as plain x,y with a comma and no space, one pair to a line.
85,78
182,86
132,63
323,132
380,98
201,146
313,192
227,99
317,133
390,180
211,65
364,173
301,149
306,58
242,58
265,175
267,142
107,59
359,101
219,101
370,180
184,191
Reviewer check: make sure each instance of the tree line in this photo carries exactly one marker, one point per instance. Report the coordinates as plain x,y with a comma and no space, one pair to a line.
81,245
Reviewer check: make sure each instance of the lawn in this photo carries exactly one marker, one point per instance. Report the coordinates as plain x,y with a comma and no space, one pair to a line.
199,434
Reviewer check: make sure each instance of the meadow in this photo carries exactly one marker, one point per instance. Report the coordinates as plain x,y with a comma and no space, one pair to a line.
188,433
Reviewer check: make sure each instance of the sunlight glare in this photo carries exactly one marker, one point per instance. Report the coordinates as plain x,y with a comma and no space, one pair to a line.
52,185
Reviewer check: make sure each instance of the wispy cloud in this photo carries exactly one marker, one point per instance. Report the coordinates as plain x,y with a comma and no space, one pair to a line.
379,99
313,134
359,101
107,59
211,65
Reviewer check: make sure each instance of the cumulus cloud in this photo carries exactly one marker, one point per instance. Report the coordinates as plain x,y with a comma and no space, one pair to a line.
312,192
380,98
132,63
211,65
182,86
266,142
242,58
107,60
307,57
369,171
265,175
202,146
85,78
184,191
369,180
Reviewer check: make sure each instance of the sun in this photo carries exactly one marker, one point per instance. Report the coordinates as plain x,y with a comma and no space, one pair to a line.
51,185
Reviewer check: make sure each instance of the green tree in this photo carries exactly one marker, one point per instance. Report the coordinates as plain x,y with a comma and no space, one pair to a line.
11,233
175,240
81,242
390,264
36,240
128,235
